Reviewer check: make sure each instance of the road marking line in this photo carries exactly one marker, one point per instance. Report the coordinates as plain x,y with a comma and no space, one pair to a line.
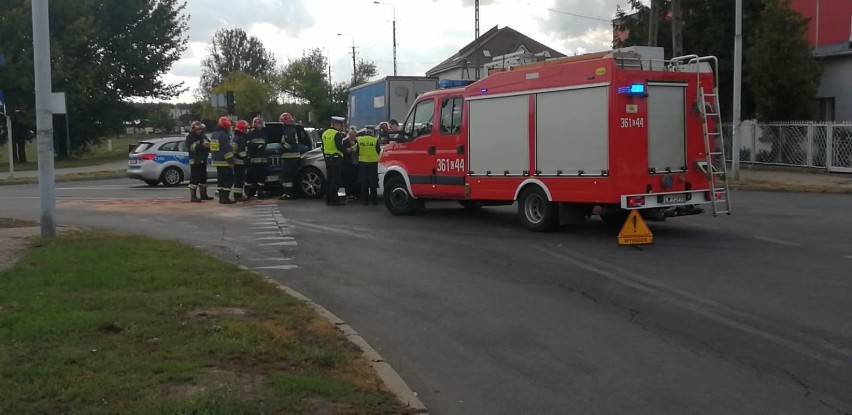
705,307
273,238
776,241
269,259
287,243
278,267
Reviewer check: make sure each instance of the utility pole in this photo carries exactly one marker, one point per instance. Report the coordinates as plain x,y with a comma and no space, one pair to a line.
738,80
677,29
9,145
476,37
354,67
44,117
394,33
653,17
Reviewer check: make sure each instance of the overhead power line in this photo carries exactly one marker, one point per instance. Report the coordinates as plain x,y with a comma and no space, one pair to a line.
581,16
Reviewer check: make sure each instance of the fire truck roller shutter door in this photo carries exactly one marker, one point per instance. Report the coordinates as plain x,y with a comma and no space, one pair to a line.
572,132
499,136
666,127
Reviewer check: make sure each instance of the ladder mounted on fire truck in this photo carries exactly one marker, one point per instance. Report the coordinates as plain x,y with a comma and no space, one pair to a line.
715,166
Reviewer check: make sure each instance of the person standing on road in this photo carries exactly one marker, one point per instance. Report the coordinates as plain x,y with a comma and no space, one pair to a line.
240,148
257,159
290,156
368,165
198,146
332,150
223,159
350,167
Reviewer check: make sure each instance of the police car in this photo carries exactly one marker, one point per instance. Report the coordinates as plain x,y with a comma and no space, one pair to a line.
163,160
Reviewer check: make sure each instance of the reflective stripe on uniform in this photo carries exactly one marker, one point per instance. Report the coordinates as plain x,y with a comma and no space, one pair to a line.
258,160
291,155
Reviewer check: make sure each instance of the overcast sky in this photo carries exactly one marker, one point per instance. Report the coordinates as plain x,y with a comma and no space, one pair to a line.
428,31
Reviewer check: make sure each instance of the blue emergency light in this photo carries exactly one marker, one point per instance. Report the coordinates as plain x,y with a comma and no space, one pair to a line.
634,90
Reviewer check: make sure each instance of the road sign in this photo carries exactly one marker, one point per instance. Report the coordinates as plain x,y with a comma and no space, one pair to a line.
635,231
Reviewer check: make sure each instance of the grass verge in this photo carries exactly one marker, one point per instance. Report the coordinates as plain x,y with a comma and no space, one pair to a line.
766,185
70,177
100,154
99,323
16,223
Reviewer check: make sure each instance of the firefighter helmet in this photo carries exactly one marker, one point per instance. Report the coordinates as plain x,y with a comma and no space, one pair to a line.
242,126
225,122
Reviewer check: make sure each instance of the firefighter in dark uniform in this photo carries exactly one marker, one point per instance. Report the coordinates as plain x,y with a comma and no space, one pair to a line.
223,159
368,165
240,148
332,149
256,178
198,147
291,157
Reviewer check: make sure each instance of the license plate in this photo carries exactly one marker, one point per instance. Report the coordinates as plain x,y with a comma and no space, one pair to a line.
132,161
271,178
674,198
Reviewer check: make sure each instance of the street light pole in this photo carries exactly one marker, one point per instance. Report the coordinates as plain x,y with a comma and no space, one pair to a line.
394,33
354,70
44,117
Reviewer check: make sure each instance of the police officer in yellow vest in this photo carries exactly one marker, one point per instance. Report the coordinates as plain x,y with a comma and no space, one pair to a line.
332,149
369,150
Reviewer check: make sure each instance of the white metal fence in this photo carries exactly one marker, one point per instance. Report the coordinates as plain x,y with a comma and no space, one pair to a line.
801,144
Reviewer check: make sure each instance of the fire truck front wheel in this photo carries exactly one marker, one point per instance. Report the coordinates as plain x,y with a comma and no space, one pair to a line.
398,199
536,212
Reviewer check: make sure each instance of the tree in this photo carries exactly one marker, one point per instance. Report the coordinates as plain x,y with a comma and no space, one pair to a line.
232,50
103,53
708,29
305,80
364,71
782,74
251,96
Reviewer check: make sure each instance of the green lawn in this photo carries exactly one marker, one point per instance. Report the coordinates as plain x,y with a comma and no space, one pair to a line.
98,323
97,155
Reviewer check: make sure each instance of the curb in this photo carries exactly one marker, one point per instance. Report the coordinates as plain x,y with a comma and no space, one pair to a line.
392,380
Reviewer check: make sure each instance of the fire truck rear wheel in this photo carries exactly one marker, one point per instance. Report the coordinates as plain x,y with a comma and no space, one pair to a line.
536,212
398,199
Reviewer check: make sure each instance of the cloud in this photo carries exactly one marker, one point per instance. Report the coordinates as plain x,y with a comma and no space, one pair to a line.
206,16
577,32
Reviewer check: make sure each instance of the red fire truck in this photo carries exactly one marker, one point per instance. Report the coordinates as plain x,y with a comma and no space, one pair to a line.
598,134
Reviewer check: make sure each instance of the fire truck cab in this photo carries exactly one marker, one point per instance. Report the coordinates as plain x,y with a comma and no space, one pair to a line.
597,134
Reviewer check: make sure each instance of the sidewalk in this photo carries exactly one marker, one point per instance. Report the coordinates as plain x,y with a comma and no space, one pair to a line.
111,167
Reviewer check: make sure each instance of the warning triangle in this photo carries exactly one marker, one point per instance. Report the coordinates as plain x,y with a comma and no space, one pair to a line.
635,231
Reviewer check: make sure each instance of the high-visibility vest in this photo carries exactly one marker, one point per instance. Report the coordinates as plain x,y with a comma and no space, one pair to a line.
329,148
367,151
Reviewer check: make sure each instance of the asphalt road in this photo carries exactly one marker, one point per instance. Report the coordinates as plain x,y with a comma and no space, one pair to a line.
747,314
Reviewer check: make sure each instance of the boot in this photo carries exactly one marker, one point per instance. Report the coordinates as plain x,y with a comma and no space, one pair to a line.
204,195
193,195
224,199
239,197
